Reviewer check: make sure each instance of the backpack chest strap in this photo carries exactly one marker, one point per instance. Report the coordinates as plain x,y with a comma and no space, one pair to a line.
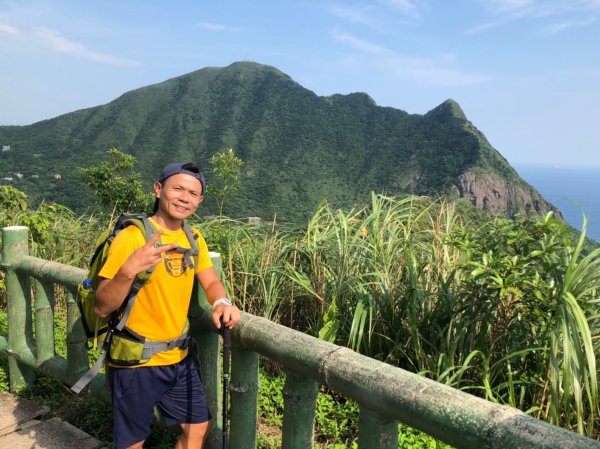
187,255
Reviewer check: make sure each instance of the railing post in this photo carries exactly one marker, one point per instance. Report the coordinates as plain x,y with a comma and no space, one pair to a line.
299,404
208,344
77,354
375,431
210,367
44,320
18,293
244,398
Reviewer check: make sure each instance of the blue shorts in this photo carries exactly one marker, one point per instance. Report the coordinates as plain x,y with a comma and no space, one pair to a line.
176,390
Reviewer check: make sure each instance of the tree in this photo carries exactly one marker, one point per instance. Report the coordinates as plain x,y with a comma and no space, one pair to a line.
116,185
12,198
227,167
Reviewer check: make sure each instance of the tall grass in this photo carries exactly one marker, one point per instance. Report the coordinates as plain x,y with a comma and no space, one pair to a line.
573,373
504,309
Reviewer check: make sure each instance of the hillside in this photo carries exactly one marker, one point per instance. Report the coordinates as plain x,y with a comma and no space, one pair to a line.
298,148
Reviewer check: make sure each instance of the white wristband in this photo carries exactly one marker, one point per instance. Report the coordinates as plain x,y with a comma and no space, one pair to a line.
225,301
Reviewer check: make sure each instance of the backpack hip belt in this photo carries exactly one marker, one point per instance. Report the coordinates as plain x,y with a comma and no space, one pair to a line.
154,347
130,351
128,348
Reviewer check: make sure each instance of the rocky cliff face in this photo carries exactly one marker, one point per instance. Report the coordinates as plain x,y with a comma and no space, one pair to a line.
502,197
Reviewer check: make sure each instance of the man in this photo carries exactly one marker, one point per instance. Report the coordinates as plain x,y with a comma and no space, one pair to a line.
169,379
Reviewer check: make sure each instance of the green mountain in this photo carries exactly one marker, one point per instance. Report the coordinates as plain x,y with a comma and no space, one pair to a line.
298,148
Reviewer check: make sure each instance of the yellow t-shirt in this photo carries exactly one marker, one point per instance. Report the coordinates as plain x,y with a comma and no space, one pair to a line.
160,310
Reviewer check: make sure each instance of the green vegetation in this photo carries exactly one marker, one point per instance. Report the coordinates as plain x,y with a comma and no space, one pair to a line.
56,233
226,167
503,309
336,420
116,185
298,148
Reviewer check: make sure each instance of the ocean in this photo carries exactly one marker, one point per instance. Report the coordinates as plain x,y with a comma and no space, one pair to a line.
574,191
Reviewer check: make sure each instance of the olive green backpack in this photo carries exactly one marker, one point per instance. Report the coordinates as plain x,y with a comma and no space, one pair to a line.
121,345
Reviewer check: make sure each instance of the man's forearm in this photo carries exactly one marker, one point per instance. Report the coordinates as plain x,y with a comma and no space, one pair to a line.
211,284
214,290
112,292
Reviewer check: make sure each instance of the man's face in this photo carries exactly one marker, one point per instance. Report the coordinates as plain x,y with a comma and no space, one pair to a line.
179,196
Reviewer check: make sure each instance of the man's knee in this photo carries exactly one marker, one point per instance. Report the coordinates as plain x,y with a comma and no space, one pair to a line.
138,445
196,431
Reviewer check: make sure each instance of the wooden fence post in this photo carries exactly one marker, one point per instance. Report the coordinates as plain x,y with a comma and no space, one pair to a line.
244,398
44,320
208,341
299,405
15,245
375,431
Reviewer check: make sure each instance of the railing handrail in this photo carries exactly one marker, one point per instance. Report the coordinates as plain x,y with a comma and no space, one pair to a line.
443,412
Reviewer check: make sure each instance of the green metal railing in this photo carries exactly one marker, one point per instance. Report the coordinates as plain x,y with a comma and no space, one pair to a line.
386,395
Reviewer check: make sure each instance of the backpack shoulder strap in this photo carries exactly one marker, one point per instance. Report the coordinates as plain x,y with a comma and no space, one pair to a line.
148,229
100,245
193,252
140,221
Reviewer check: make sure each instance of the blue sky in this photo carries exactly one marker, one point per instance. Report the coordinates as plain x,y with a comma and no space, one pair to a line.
526,72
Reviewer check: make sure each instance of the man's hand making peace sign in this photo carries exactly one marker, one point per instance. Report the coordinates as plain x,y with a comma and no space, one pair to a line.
112,292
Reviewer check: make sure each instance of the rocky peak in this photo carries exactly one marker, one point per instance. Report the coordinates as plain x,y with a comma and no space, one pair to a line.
500,196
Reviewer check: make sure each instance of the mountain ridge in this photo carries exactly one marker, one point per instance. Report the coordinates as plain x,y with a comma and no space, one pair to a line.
298,147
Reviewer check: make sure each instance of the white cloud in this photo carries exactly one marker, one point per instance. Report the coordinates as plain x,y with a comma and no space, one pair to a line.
538,8
9,29
356,15
378,15
482,27
210,26
432,71
508,6
558,27
53,40
503,12
407,7
358,43
506,11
